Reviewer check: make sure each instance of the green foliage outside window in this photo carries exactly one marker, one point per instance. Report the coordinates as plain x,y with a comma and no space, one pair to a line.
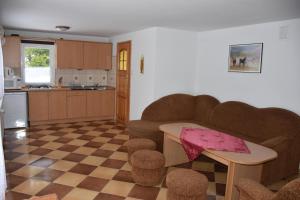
37,57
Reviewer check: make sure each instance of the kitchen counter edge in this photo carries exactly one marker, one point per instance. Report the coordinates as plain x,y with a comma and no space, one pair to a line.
53,89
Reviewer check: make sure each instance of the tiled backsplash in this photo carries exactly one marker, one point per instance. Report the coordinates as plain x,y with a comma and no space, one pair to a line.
81,77
84,77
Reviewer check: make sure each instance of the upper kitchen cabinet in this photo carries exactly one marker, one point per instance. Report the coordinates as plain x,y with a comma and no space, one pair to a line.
12,52
97,55
69,54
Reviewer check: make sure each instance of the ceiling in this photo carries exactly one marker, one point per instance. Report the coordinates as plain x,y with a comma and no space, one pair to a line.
112,17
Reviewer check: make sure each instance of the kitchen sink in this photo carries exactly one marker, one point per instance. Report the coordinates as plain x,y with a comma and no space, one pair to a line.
38,87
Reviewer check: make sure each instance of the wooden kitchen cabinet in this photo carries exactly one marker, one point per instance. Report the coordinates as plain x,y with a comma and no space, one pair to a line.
38,106
97,55
91,55
108,103
57,105
106,52
93,103
101,103
61,106
69,54
76,104
83,55
12,52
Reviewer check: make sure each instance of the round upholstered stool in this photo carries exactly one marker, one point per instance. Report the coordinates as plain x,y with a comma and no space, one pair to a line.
148,167
139,144
186,184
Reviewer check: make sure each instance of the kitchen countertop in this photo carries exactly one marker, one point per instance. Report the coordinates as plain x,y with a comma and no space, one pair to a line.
63,88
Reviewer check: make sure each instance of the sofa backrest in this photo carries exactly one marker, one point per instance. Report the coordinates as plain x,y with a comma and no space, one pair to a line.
204,105
171,108
261,123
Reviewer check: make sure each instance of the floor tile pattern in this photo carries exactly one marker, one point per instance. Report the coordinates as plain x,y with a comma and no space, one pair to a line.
86,160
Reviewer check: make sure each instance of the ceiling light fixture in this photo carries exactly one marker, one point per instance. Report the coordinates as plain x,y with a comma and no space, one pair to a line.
62,28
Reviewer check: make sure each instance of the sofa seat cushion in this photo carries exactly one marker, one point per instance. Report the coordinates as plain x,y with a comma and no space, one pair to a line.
144,126
150,127
150,130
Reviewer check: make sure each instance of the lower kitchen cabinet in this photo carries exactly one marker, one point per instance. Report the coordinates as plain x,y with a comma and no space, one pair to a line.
47,107
108,103
38,106
57,105
101,103
76,104
94,103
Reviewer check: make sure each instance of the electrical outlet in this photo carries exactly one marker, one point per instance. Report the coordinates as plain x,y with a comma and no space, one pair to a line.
283,32
75,78
90,77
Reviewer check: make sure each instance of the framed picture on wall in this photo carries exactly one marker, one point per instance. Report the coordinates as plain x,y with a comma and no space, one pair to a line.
245,58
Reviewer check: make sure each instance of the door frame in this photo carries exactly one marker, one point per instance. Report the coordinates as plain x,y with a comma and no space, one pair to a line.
129,79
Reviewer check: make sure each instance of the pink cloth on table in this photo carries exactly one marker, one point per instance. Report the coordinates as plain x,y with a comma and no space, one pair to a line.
196,140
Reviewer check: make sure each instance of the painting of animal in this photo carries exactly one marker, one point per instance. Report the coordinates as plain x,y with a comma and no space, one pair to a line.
242,62
245,57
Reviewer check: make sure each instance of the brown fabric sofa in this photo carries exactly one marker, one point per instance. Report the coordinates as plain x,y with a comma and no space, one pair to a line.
275,128
251,190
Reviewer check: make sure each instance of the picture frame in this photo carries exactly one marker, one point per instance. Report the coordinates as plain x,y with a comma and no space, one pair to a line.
245,58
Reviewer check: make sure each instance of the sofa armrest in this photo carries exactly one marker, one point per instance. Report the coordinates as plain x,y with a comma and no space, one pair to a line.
254,190
276,142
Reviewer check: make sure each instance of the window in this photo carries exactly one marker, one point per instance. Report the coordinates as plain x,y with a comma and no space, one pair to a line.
37,63
123,60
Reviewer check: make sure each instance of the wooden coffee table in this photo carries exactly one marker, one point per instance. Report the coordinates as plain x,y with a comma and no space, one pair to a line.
240,165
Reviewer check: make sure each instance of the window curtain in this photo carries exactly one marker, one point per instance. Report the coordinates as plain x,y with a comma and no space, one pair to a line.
2,163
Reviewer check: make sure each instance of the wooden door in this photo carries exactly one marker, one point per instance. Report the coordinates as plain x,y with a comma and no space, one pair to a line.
123,81
76,104
12,52
38,106
57,105
69,54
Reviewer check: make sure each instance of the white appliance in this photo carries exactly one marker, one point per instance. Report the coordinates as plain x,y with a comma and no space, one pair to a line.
14,82
2,163
8,72
15,110
10,80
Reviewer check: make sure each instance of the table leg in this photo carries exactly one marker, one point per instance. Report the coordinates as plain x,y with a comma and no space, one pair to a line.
174,153
237,171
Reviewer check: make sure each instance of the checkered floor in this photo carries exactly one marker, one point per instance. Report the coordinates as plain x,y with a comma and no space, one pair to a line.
86,160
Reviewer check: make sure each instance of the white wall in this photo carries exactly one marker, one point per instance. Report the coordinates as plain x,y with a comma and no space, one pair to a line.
142,85
279,83
169,65
37,34
175,62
